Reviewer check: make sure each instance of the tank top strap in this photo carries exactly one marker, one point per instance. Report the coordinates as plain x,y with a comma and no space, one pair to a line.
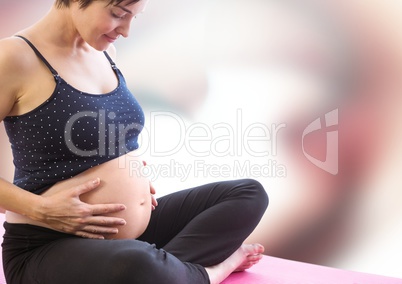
110,60
41,57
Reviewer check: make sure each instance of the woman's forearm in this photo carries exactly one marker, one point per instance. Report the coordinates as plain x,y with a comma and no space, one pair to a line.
63,211
15,199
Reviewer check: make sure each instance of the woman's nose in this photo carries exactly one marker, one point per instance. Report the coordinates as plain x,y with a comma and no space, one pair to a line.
124,30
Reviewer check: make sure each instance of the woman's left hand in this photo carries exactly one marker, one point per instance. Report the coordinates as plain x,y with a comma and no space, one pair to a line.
152,189
154,202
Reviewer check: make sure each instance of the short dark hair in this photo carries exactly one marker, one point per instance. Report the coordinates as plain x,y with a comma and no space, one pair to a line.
86,3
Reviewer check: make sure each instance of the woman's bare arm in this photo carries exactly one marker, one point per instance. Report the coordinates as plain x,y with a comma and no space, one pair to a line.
63,211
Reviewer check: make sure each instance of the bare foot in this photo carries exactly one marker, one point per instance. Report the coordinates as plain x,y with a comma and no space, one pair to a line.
245,257
253,256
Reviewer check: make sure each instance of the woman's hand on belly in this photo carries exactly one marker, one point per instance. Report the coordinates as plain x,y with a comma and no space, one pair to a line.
118,206
122,183
153,192
64,211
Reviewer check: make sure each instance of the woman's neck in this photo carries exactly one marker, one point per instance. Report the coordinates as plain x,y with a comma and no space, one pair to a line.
58,29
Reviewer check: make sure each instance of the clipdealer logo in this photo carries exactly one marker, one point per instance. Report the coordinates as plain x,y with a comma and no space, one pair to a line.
330,164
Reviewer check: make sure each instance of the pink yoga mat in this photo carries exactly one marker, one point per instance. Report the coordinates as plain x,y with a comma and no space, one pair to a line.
271,270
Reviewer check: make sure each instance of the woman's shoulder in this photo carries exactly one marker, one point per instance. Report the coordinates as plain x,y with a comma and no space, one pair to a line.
15,65
14,56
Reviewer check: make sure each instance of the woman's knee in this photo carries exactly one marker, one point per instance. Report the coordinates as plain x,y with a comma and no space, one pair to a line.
255,192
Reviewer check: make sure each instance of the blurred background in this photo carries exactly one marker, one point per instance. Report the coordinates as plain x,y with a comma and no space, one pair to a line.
229,87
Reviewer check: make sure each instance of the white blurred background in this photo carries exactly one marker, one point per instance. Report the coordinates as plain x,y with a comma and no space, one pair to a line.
228,88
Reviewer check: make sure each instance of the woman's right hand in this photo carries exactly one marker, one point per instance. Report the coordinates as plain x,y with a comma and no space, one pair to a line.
64,211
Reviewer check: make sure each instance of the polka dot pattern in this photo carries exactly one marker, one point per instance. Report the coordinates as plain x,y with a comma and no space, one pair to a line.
72,131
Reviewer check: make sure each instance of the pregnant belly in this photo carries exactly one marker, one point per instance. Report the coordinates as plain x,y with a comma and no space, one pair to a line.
120,183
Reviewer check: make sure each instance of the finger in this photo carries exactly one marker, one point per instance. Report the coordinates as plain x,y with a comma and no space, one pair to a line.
152,188
96,230
88,186
87,235
102,221
154,201
102,209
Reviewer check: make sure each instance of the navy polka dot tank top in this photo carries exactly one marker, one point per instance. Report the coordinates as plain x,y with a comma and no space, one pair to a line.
72,131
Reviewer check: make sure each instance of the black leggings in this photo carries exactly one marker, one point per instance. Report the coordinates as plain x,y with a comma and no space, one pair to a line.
189,230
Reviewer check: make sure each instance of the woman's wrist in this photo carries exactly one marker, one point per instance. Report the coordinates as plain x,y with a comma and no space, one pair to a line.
37,209
20,201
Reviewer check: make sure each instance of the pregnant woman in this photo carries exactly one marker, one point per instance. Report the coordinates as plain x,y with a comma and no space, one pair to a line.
75,213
